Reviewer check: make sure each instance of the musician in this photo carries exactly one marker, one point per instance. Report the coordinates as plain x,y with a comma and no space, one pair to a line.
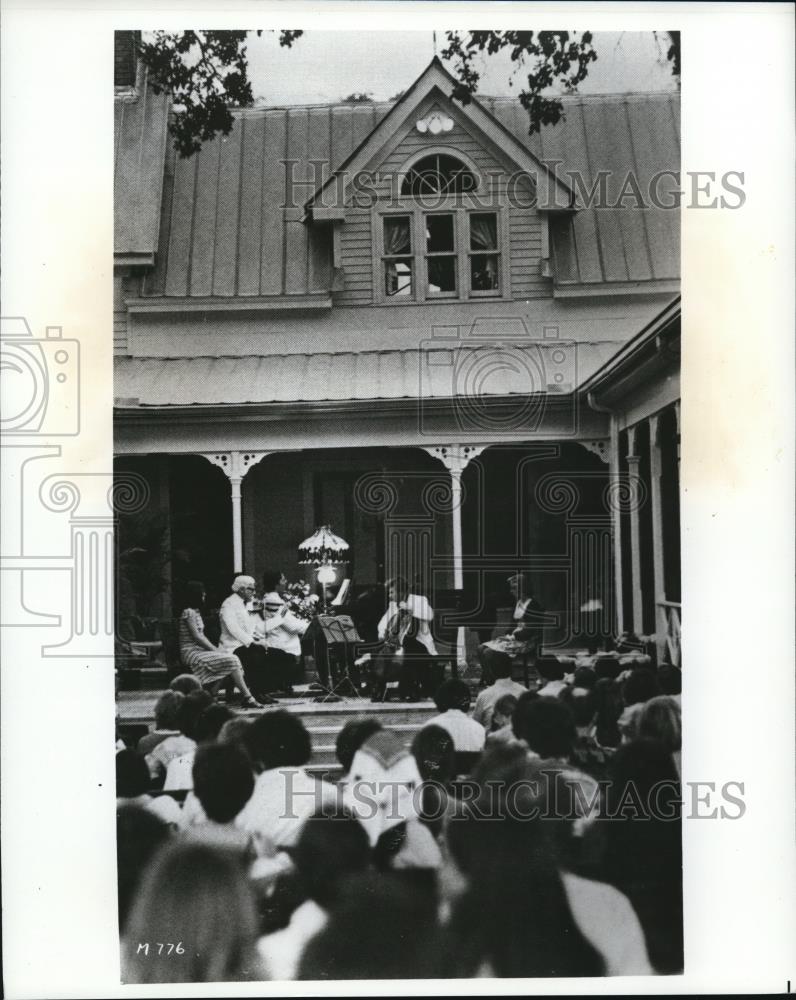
282,632
405,630
526,635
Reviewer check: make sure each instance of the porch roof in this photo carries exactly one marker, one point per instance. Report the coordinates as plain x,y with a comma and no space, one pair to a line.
485,372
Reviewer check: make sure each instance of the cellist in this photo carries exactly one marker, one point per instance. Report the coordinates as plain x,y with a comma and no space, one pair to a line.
407,641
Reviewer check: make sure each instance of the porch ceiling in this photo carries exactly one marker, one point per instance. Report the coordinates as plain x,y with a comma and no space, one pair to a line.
498,370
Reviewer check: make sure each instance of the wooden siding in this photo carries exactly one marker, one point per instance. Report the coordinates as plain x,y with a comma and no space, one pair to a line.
523,240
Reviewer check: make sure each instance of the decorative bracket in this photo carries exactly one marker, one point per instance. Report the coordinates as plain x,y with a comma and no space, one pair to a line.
600,447
235,464
455,457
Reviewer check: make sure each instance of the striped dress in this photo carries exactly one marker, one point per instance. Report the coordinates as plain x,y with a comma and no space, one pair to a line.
208,665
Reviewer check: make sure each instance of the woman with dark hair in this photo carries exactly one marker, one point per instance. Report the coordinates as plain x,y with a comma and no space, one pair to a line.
198,899
405,630
522,914
211,665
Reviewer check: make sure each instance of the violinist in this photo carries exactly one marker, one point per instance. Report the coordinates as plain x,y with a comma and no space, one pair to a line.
406,642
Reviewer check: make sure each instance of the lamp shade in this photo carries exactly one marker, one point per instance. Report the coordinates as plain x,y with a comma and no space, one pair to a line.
322,547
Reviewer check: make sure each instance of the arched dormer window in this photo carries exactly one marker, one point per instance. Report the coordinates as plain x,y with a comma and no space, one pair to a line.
438,174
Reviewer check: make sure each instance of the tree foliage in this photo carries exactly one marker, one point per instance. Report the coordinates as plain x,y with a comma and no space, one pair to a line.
206,73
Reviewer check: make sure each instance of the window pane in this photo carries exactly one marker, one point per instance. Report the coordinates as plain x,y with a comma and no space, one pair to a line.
441,275
438,174
439,233
398,278
397,239
484,272
483,231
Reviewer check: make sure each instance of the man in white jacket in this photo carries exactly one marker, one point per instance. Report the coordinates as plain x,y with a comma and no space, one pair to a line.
239,636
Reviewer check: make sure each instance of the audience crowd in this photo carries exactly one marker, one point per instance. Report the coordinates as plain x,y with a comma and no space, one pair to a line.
536,832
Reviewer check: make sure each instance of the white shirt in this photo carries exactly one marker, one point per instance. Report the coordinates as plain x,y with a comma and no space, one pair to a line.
283,631
419,608
283,798
468,735
237,625
490,696
281,951
179,773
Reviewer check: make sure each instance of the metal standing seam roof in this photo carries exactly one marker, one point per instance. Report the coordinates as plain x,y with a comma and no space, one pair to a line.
230,235
512,369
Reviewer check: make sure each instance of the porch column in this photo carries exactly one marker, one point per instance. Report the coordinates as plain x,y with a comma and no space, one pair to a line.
616,525
455,458
235,465
633,461
656,469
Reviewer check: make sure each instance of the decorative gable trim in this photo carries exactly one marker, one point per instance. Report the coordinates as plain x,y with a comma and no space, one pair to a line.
328,201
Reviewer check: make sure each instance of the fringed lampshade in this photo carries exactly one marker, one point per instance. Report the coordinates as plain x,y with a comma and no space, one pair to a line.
323,547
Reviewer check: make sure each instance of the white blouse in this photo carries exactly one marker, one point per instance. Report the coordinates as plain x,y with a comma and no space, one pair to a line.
419,608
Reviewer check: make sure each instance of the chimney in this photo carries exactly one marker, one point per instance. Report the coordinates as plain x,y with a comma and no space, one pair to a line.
125,59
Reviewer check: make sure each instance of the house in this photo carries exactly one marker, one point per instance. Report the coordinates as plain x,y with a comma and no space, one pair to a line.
409,320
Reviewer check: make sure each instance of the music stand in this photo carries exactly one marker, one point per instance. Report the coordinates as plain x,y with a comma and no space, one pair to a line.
336,632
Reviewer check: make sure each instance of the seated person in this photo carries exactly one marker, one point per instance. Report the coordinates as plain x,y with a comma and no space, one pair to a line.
526,635
132,788
166,708
350,739
239,636
168,749
223,782
547,727
501,664
501,731
453,702
281,633
332,847
208,725
551,673
405,630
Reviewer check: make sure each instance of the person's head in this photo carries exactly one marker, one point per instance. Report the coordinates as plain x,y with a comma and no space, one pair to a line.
195,594
166,708
546,725
223,780
397,589
660,720
640,686
132,775
515,912
243,586
198,895
351,737
139,833
234,730
185,683
607,666
272,603
670,679
549,668
584,677
273,579
209,723
504,710
435,755
608,695
519,586
379,928
453,693
278,739
332,846
190,709
500,663
583,703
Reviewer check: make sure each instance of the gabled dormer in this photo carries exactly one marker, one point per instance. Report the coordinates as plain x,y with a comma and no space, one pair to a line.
440,201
